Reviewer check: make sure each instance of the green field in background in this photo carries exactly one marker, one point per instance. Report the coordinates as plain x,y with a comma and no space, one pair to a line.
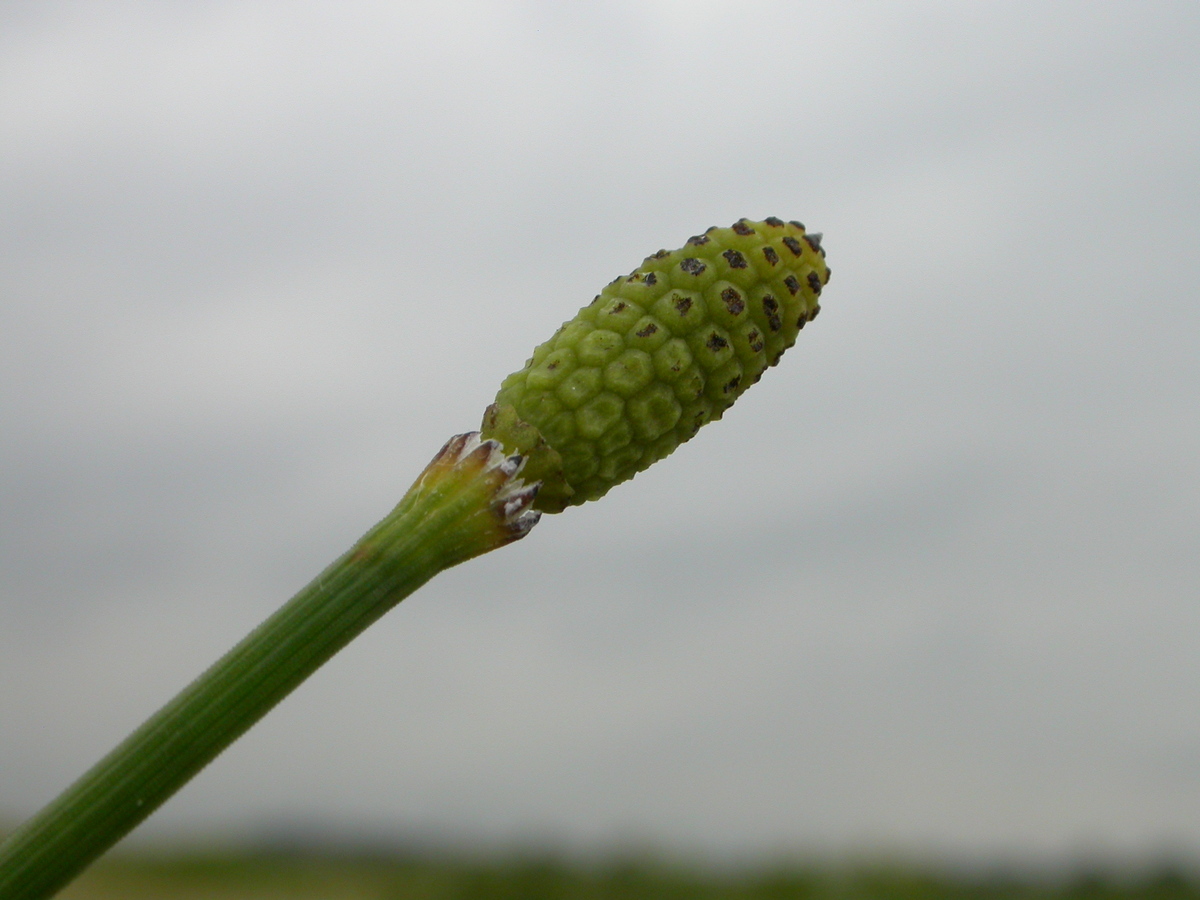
298,876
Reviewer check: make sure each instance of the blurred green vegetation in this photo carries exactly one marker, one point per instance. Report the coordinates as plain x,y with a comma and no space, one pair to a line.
349,876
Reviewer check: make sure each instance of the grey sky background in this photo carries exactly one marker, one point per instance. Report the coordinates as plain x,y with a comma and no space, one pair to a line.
931,587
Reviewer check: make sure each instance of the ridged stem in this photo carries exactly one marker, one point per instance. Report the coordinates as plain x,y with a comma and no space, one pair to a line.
467,501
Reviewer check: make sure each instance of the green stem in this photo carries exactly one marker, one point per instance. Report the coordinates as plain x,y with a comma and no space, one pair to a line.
467,502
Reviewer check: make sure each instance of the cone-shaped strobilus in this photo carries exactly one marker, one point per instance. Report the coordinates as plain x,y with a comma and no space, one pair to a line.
657,354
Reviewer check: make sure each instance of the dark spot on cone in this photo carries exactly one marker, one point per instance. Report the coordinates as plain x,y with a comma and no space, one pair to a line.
742,228
813,314
799,225
770,255
794,245
651,278
716,343
650,329
733,301
619,307
814,282
774,222
792,284
814,243
692,266
771,308
682,304
735,259
731,385
755,339
699,240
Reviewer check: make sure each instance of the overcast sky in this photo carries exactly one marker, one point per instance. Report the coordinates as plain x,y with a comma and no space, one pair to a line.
932,586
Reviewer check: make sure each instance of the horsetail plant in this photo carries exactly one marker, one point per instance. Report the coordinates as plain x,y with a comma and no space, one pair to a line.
656,355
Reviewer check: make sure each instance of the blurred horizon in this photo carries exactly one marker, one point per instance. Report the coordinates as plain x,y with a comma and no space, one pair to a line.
930,589
366,870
